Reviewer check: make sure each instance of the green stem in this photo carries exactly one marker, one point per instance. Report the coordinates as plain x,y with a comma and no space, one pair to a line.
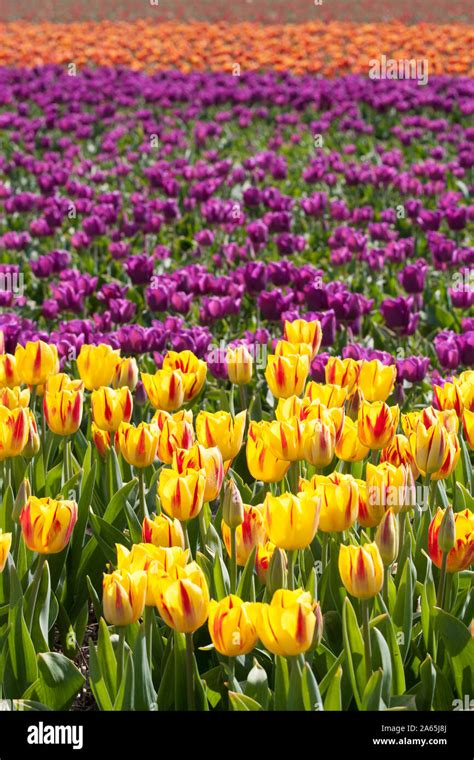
294,477
35,589
187,545
202,528
243,397
190,671
141,490
366,636
386,575
233,560
442,582
291,569
148,620
401,530
325,550
121,653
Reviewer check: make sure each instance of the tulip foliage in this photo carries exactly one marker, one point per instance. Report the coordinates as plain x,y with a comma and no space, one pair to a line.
195,550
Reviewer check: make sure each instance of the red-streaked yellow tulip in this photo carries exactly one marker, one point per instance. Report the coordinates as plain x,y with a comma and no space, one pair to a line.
101,439
284,439
343,372
63,411
387,486
123,597
348,447
111,407
339,495
36,361
300,331
468,427
9,374
376,380
96,365
286,626
232,625
154,560
361,570
398,452
262,463
377,424
5,544
13,398
182,598
222,430
47,524
239,364
291,521
163,531
286,375
210,460
62,382
14,432
429,447
165,389
263,558
193,370
326,393
461,556
448,396
248,534
126,373
138,445
319,442
182,494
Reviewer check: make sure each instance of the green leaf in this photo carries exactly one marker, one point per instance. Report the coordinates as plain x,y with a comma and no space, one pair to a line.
403,611
372,697
220,577
282,683
460,648
354,649
310,690
244,590
242,703
295,691
333,698
59,681
428,602
85,499
106,659
41,621
144,697
21,666
180,680
425,695
381,659
256,686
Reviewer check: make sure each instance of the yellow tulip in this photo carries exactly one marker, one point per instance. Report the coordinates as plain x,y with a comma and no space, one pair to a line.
63,411
5,544
339,495
47,524
36,361
343,372
467,395
286,375
314,410
248,534
239,364
96,365
182,494
126,374
263,558
449,396
348,447
468,427
453,452
193,370
398,452
289,407
284,439
163,531
326,393
319,442
286,626
111,407
9,374
154,560
165,389
361,570
14,431
138,445
32,445
387,486
123,598
428,417
232,626
176,433
182,598
13,398
291,521
62,382
198,457
262,463
376,380
101,439
461,556
377,424
429,447
284,348
222,430
301,331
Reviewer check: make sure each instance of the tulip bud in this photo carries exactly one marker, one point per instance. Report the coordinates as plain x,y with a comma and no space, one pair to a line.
233,507
353,403
318,628
277,571
32,445
24,493
140,394
447,531
386,537
126,374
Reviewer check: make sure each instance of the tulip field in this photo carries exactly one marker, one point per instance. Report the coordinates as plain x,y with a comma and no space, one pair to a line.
236,366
